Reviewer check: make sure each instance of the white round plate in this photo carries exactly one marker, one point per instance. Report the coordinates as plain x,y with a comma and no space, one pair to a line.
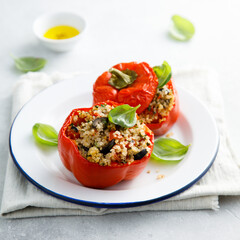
42,166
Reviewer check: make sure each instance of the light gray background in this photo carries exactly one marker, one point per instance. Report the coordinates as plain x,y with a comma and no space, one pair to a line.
119,31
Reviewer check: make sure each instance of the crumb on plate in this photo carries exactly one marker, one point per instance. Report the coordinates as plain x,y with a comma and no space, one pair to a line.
160,176
169,134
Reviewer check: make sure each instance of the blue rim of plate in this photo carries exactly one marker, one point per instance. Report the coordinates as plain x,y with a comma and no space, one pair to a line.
107,204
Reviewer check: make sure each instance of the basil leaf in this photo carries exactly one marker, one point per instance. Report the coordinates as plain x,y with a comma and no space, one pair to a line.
29,64
164,74
169,149
181,29
123,115
121,79
45,134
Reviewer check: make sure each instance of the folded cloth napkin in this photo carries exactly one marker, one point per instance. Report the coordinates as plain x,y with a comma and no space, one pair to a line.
22,199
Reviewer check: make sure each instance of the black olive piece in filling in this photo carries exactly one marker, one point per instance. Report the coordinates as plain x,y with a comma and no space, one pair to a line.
119,128
141,154
101,120
85,148
74,128
108,147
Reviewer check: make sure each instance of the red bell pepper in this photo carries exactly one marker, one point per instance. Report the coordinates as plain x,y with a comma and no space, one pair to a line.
141,91
92,174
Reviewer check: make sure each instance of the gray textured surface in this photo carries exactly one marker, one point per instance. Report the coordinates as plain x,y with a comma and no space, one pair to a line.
216,45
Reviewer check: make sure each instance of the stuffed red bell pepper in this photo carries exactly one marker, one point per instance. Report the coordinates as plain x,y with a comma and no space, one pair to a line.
137,83
101,153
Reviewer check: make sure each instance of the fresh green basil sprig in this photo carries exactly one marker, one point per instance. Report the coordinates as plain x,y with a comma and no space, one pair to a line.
181,29
121,79
29,64
123,115
164,74
169,149
46,134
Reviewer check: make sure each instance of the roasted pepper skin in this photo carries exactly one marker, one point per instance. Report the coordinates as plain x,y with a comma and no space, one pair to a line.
92,174
140,92
163,127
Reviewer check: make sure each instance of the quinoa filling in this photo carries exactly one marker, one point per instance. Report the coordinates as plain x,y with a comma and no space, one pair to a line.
103,142
160,106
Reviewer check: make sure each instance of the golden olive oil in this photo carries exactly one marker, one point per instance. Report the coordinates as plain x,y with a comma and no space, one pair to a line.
61,32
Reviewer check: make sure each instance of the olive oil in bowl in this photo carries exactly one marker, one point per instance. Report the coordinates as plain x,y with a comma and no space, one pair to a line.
61,32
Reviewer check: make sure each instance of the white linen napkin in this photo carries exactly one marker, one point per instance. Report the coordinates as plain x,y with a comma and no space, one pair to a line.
22,199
